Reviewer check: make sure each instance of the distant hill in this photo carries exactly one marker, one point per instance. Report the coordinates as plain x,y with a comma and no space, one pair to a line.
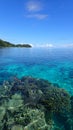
8,44
23,45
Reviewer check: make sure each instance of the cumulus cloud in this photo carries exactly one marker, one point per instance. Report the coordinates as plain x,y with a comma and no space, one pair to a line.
33,6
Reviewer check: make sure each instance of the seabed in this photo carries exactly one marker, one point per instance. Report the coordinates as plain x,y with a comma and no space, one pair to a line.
34,104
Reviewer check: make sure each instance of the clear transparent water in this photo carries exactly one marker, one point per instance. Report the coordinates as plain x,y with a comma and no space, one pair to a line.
52,64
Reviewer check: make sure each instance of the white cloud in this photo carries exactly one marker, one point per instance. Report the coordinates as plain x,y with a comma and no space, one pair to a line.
48,45
37,16
33,6
43,45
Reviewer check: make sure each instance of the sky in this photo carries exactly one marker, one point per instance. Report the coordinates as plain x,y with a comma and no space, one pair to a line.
37,21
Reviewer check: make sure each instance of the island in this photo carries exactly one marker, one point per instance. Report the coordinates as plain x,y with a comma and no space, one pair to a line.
8,44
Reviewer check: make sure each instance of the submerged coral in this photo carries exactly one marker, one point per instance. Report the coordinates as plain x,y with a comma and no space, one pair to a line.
34,104
56,100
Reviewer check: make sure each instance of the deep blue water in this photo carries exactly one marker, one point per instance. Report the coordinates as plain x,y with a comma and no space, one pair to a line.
53,64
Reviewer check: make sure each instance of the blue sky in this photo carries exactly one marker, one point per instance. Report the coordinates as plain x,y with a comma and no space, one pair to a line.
37,21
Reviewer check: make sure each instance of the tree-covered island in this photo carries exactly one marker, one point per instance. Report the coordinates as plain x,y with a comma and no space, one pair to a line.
8,44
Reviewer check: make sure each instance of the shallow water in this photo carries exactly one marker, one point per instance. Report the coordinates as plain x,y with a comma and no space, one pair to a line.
53,64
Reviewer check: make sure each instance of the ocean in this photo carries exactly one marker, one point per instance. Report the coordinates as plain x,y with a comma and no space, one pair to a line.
52,64
36,88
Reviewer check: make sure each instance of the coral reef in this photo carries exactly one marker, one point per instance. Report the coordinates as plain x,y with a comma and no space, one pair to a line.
34,104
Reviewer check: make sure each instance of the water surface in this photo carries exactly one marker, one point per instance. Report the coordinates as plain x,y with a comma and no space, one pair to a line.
52,64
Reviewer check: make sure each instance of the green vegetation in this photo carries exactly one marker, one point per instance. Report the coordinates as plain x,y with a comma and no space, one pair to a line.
5,44
8,44
22,45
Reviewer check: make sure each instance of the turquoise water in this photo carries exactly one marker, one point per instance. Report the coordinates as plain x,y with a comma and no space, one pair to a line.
53,64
